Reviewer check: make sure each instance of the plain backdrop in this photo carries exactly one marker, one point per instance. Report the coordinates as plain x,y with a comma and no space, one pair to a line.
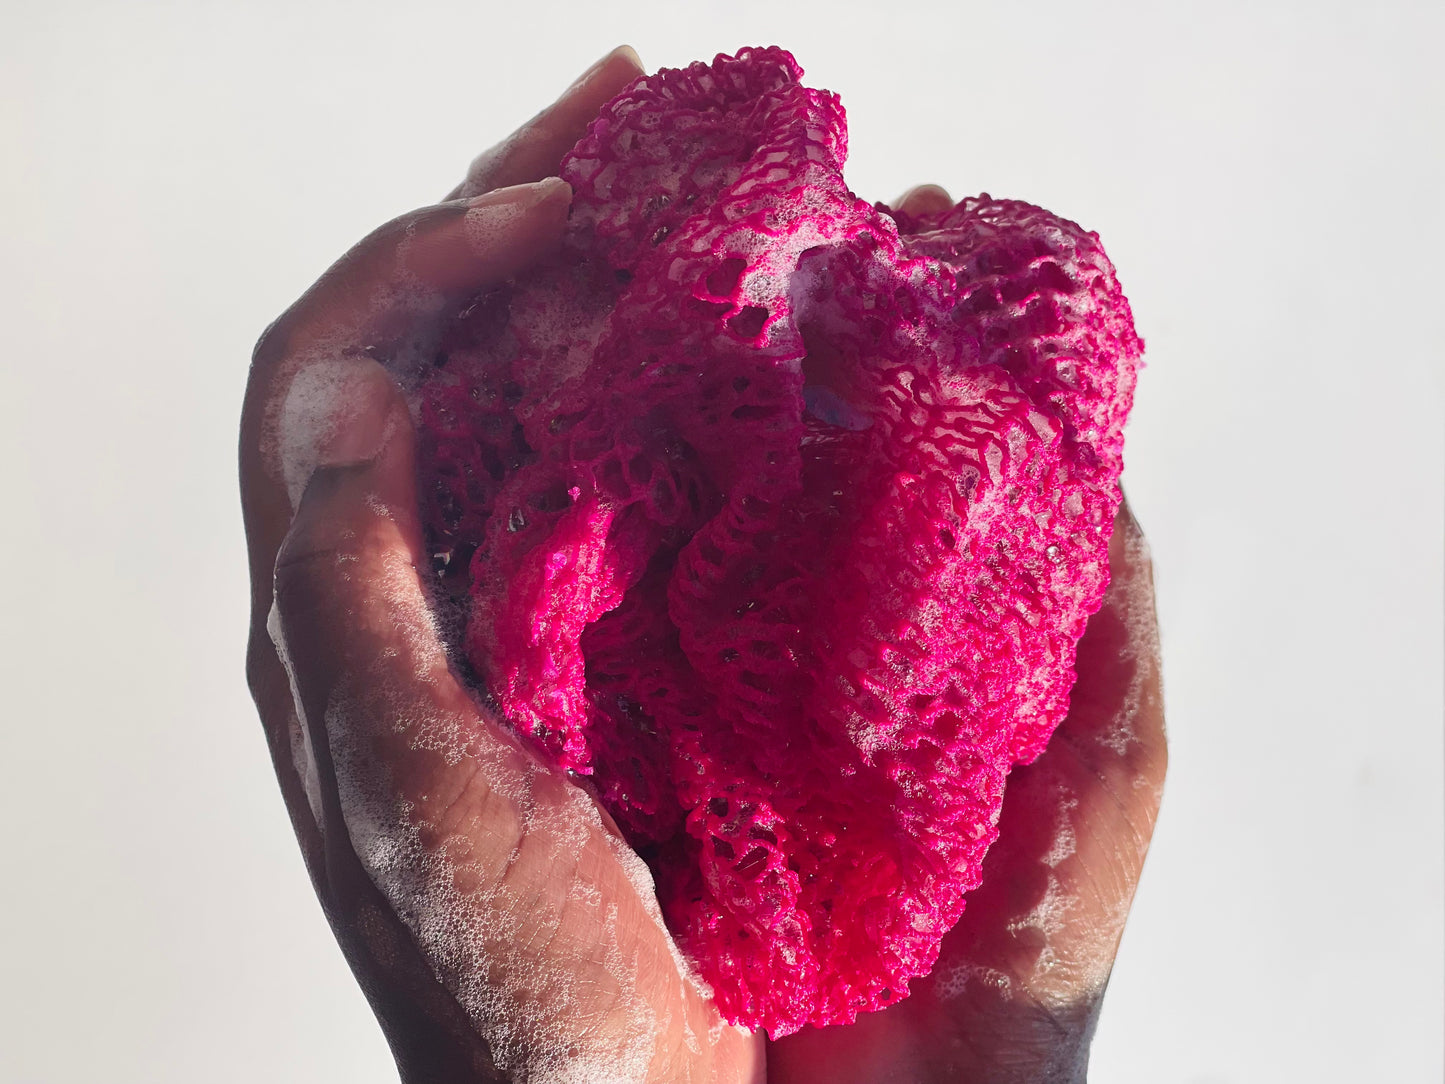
1267,177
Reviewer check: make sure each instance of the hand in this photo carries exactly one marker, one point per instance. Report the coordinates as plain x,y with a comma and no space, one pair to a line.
1016,991
497,922
1018,985
492,913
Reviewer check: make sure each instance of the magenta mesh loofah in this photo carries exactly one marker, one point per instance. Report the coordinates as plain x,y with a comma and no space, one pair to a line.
787,512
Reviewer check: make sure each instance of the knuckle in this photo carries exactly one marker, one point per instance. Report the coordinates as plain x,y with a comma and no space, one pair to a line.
260,662
305,573
274,343
300,568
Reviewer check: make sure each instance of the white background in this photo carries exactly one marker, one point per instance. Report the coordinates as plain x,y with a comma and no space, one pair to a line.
1268,182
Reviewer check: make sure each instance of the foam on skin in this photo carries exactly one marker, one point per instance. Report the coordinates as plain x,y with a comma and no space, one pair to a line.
784,515
560,1016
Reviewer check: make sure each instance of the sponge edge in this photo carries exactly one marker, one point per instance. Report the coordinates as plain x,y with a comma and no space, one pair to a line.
785,514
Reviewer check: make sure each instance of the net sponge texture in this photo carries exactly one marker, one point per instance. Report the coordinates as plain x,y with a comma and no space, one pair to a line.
784,514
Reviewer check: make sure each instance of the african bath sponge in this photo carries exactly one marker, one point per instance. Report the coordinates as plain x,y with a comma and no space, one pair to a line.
784,514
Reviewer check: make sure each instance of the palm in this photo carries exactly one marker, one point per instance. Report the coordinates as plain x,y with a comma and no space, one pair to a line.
490,909
1016,989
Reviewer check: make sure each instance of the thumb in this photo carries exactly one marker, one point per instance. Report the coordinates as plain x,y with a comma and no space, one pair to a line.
405,759
530,912
350,616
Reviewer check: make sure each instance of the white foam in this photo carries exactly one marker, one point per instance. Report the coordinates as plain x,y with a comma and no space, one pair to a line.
592,1017
315,410
1051,914
1066,843
482,942
307,399
641,879
1132,599
303,757
951,980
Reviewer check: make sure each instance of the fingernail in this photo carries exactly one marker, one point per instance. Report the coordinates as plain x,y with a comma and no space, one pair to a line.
622,54
522,197
337,413
925,198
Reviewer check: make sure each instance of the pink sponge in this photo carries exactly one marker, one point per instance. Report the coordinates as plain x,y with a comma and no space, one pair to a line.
786,513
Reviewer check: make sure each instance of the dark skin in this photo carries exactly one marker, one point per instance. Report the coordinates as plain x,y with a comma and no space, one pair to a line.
488,908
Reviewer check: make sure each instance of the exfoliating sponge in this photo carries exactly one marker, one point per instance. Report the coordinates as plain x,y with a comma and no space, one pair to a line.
784,514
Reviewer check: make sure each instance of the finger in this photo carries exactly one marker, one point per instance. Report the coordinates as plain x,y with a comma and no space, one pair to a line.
375,290
1115,723
529,909
924,199
414,264
535,150
397,280
351,619
1017,986
1076,824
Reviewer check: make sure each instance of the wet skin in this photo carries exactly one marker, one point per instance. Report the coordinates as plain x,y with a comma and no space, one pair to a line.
488,908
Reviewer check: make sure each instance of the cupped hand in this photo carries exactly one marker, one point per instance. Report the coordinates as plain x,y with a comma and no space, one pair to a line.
1016,991
497,922
499,925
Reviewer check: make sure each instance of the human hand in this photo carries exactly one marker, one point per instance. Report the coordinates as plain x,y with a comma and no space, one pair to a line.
491,912
496,920
1016,991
